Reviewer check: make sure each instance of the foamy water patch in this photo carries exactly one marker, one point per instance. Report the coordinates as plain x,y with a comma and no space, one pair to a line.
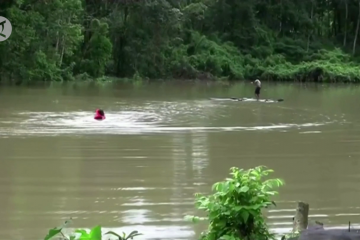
84,120
118,123
310,132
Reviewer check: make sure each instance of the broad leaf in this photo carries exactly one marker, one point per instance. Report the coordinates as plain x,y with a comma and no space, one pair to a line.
52,232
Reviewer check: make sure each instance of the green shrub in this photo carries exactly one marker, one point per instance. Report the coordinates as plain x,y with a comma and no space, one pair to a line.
234,210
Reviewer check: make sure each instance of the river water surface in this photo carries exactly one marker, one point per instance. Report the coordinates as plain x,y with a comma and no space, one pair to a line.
160,144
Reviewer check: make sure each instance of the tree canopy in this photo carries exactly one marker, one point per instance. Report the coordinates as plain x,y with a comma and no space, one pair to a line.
61,40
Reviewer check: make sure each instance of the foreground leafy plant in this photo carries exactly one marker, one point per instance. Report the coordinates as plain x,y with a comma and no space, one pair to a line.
57,230
124,237
94,234
234,211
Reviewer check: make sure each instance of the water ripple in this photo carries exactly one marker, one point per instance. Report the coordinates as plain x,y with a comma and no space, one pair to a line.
127,122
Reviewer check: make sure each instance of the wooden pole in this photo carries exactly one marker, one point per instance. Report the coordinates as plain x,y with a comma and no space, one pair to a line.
301,217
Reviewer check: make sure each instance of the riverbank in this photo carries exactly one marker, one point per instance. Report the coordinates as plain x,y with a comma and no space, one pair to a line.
224,68
180,89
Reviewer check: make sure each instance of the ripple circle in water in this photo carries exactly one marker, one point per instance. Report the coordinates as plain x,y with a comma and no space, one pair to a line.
80,123
164,117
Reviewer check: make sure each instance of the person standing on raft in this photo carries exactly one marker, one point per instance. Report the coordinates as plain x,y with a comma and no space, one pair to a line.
257,89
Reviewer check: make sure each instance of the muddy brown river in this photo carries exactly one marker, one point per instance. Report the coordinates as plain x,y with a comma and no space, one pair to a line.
160,144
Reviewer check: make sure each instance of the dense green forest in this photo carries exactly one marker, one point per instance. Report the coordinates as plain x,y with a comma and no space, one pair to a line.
62,40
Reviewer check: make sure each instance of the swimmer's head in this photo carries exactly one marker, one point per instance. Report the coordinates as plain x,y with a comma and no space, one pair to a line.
100,112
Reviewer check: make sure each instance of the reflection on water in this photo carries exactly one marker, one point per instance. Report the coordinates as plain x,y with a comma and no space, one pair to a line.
199,155
140,168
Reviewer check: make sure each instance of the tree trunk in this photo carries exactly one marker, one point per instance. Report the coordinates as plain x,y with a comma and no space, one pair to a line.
57,42
301,217
310,33
346,20
62,50
330,29
281,18
357,30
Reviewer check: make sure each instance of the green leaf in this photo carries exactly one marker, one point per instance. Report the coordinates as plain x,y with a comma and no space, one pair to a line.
114,234
243,189
95,233
238,208
81,231
133,234
83,234
228,237
219,187
193,219
52,232
245,216
213,215
254,199
227,213
215,186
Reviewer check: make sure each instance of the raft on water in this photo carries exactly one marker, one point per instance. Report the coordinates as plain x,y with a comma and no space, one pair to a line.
248,100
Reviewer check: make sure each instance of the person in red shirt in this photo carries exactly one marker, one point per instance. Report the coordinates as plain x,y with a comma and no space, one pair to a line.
99,115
